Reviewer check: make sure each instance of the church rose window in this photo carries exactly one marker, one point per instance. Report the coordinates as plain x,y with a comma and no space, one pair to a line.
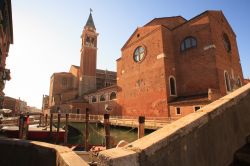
139,54
188,42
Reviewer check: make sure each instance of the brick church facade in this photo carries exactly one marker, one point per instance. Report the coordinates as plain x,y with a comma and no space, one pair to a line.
170,67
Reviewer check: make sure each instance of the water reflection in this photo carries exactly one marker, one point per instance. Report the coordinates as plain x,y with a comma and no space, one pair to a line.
97,134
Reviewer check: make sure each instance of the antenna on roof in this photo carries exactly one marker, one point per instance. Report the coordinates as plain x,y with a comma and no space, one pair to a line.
90,10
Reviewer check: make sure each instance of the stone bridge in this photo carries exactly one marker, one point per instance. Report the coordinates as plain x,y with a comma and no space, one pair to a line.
209,137
29,153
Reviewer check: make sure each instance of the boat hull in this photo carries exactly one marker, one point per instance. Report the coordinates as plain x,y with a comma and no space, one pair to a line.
39,135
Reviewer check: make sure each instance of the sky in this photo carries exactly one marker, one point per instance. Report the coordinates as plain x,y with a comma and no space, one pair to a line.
47,35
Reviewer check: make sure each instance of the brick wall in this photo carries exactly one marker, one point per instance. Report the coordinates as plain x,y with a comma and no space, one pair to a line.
144,87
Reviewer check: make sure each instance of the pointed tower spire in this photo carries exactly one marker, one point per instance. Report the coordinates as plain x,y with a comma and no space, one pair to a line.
90,22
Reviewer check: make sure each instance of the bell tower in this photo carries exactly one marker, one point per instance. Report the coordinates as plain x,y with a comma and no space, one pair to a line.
87,78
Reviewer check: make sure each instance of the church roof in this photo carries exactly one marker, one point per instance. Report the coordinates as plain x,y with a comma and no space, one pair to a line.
90,22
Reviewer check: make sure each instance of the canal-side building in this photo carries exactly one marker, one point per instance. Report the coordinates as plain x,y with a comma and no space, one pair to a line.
17,106
171,66
168,68
71,91
6,38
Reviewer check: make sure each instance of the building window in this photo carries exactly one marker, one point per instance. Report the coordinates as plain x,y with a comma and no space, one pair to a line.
227,43
188,42
178,111
78,110
227,81
112,96
107,84
89,41
238,83
64,82
196,108
102,98
93,100
139,54
172,86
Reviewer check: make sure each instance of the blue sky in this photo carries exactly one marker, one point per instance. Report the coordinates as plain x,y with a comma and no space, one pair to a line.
47,35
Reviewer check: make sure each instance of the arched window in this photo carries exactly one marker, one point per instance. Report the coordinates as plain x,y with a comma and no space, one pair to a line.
188,42
102,98
172,86
227,43
89,41
64,82
112,96
238,83
227,81
139,54
93,99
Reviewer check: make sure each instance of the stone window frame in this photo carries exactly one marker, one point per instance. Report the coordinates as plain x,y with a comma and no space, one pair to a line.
170,89
104,96
227,82
176,111
107,84
89,41
64,82
196,106
238,81
92,99
78,112
226,42
193,43
145,53
111,94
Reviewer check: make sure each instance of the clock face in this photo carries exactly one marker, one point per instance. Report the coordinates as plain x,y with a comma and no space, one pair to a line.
90,41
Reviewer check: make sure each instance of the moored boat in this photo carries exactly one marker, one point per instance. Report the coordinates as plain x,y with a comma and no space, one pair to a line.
34,133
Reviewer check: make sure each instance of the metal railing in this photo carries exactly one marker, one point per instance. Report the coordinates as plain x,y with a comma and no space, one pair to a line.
131,121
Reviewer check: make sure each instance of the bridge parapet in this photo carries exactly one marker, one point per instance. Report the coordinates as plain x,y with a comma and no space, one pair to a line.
208,137
29,153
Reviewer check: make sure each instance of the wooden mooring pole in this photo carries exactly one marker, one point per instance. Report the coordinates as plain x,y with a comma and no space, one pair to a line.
50,126
66,129
107,131
46,120
58,127
141,126
26,126
40,120
86,142
21,125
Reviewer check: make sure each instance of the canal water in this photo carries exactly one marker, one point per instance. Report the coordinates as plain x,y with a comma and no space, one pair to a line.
97,134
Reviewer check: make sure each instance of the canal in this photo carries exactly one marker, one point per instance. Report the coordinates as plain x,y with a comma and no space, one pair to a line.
76,134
